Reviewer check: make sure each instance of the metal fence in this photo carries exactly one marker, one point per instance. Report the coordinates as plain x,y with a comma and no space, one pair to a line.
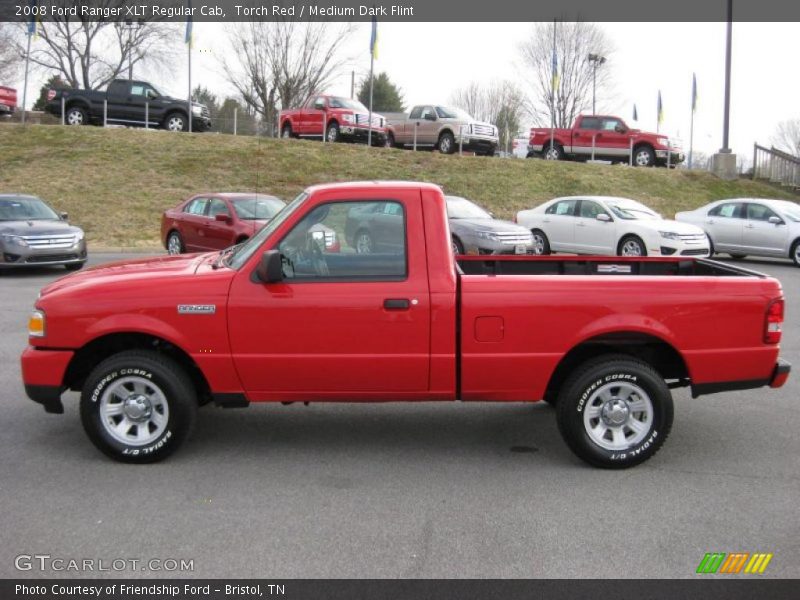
776,166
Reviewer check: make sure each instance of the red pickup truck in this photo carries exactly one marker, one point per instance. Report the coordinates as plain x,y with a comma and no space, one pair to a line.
610,139
337,117
277,319
8,100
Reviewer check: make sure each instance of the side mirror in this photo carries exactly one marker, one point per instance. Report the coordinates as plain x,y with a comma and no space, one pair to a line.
603,217
319,106
776,220
430,117
64,216
151,95
222,217
620,129
270,269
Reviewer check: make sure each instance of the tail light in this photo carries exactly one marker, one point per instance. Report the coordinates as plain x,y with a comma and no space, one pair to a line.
50,95
774,321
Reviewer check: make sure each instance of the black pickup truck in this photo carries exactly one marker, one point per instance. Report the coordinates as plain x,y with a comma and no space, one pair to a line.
129,103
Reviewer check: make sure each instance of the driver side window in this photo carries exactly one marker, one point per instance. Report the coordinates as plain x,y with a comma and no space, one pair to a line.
347,241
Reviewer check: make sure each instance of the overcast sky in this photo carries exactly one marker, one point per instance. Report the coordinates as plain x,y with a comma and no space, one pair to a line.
429,60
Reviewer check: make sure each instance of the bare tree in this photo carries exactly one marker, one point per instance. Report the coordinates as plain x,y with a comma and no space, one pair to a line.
573,94
89,53
500,103
787,136
281,63
10,57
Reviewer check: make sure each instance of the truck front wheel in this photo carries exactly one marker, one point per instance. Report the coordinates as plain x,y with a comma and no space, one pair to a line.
614,411
643,156
138,406
75,115
332,134
175,122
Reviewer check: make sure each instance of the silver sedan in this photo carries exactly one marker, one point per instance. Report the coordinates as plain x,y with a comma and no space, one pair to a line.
750,227
476,231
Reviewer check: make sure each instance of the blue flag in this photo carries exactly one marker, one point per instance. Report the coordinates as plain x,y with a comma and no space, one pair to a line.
33,24
373,39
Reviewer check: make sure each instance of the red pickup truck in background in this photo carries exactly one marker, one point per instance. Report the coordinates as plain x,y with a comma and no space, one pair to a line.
337,117
611,138
8,101
277,319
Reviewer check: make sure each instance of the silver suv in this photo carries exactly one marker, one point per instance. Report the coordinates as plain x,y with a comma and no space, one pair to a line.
33,234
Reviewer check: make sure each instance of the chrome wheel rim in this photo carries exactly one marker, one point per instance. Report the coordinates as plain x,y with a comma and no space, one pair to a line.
797,255
643,158
175,124
75,117
631,248
445,145
333,133
287,133
618,415
363,243
134,411
174,244
551,154
538,243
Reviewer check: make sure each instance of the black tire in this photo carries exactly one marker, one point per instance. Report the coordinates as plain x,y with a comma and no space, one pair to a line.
540,241
795,253
74,266
458,247
332,134
446,143
614,375
630,241
489,152
286,131
154,376
363,242
711,250
737,256
176,122
76,116
241,239
644,156
175,244
390,143
554,152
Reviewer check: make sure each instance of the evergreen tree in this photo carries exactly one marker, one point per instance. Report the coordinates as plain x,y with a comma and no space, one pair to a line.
54,83
386,96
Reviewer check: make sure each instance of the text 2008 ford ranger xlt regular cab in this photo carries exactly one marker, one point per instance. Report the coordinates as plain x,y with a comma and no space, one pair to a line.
279,319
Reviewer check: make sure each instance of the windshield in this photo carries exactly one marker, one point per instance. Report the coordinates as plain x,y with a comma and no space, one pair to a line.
461,208
337,102
445,112
257,208
250,246
790,210
632,211
25,209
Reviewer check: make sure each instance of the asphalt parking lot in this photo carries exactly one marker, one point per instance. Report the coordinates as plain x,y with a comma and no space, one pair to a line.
431,490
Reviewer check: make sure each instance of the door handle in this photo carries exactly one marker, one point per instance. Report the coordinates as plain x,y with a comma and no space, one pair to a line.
579,224
710,221
397,304
750,226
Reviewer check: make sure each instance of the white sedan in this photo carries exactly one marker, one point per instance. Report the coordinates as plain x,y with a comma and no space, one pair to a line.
607,226
750,226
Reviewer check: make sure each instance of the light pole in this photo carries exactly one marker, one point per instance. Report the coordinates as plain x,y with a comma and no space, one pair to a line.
723,163
129,25
596,60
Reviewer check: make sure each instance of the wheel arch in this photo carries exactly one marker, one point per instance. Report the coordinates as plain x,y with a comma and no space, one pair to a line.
92,353
651,348
79,102
176,110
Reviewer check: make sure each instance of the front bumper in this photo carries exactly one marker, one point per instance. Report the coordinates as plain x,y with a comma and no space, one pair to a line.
43,374
19,256
6,110
477,143
358,133
676,156
201,123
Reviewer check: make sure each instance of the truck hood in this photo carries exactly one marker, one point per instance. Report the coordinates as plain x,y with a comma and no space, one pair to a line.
144,270
42,227
487,225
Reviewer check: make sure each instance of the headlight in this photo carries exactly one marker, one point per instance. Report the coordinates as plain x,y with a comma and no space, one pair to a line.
670,235
663,141
488,235
15,240
197,110
494,131
36,324
348,118
79,236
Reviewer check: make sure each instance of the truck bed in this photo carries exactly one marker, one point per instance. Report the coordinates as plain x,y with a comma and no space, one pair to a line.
599,265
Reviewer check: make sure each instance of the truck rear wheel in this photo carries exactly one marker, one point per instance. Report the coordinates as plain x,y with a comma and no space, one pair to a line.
138,406
614,411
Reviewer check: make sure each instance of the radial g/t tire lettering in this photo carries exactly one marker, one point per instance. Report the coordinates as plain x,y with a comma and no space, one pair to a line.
614,411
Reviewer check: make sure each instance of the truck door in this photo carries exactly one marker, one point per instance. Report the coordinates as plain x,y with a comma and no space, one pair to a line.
588,128
117,99
428,130
341,325
613,139
314,116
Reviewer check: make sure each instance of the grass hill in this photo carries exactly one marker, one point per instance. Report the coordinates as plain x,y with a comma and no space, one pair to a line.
115,183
